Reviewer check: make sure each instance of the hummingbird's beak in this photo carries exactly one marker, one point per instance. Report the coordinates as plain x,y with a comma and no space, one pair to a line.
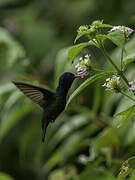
77,76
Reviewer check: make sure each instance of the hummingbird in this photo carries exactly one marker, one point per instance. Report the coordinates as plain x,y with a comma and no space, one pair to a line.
52,103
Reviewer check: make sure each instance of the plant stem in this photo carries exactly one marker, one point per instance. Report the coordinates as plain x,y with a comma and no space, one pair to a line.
133,157
127,96
113,64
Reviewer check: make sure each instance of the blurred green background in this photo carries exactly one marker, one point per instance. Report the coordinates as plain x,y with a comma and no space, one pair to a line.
83,143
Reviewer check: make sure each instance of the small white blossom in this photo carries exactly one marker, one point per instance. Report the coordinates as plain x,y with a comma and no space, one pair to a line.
126,30
82,71
115,77
80,59
87,56
132,85
132,88
84,68
83,159
77,65
131,82
104,85
108,79
114,28
86,60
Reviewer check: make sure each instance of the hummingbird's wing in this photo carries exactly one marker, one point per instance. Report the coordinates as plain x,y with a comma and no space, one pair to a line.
38,95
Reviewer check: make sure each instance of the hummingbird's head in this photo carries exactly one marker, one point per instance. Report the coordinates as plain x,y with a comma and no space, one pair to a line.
66,80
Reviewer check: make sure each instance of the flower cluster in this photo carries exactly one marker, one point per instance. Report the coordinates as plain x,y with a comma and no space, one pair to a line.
91,30
97,24
125,30
94,26
124,167
113,83
132,85
83,28
83,66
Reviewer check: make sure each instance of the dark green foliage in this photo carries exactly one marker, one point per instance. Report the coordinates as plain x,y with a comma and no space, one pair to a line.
84,142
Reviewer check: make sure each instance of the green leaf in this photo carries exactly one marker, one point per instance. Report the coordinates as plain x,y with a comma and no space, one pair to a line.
87,83
75,50
62,173
66,134
67,128
4,176
57,174
118,38
84,33
93,30
26,141
10,119
107,138
132,177
129,59
95,173
10,49
106,26
101,38
62,64
128,113
5,88
53,160
99,24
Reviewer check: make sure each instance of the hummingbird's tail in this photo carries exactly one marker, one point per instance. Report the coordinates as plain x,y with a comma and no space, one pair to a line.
45,123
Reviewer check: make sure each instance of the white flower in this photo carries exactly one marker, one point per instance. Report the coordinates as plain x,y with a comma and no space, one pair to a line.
87,56
115,77
112,83
82,67
81,70
86,60
108,79
83,159
77,66
104,84
80,59
132,88
126,30
114,28
132,84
